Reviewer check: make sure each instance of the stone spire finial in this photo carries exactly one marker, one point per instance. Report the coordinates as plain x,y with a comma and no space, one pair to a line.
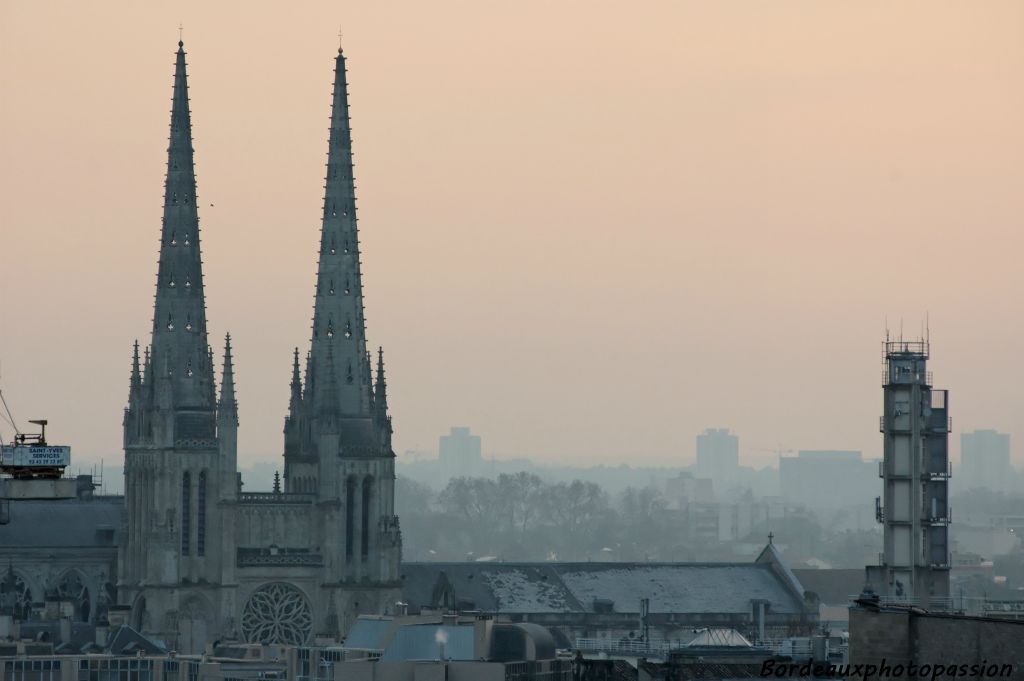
296,385
228,406
380,401
380,396
136,380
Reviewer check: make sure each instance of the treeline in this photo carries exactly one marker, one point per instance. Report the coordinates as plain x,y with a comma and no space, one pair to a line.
521,517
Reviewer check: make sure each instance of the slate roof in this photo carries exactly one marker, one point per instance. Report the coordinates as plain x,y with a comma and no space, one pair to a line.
834,587
125,640
63,523
683,588
535,588
121,641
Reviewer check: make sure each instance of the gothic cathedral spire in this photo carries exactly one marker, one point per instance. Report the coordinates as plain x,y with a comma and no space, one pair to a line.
180,347
338,321
333,416
179,370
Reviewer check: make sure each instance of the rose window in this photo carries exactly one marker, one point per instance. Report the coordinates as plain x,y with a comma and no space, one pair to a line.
277,613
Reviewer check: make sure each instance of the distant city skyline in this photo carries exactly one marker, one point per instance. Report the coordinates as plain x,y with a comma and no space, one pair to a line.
586,249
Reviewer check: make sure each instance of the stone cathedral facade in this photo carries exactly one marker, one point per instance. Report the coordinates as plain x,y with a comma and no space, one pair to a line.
202,560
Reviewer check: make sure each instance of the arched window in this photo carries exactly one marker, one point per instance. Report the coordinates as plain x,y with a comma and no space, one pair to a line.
186,512
350,511
367,492
201,516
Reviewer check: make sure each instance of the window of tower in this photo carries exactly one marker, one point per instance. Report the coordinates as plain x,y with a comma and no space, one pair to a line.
367,493
350,510
186,512
188,283
170,322
174,240
201,516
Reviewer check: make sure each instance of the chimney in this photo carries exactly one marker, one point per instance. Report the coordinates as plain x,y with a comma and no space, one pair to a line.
65,630
441,636
117,615
102,633
483,628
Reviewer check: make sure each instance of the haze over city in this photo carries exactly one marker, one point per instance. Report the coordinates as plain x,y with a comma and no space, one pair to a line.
587,232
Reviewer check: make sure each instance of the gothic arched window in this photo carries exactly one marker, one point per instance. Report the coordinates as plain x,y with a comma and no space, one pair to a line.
186,512
367,494
16,595
201,516
71,587
350,511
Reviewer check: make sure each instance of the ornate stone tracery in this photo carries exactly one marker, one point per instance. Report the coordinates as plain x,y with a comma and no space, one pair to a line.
277,613
16,594
72,587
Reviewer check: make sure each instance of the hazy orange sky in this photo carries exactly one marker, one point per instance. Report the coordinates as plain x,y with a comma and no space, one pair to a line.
589,229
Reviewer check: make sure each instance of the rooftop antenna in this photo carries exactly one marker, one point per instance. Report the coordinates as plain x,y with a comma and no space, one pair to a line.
339,38
181,32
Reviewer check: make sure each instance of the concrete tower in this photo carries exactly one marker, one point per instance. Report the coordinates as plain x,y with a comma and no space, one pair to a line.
179,444
914,508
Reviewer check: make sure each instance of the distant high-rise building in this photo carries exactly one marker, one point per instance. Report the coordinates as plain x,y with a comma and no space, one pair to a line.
985,460
459,453
827,478
718,456
914,506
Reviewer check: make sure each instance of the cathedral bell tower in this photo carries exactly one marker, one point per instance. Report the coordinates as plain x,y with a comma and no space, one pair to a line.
337,434
179,442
